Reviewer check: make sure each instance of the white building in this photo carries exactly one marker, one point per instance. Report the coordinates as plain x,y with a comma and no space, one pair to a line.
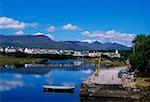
95,54
10,49
20,49
116,52
53,51
112,54
29,51
77,53
68,52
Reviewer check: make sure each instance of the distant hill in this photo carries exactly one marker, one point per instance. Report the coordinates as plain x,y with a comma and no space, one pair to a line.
41,41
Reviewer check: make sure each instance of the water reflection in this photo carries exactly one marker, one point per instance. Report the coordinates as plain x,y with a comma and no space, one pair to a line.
25,79
43,69
12,82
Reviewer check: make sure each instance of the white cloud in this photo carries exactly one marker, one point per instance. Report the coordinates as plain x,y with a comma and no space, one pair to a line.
86,33
32,24
111,36
70,26
19,32
51,29
13,83
10,23
88,41
48,35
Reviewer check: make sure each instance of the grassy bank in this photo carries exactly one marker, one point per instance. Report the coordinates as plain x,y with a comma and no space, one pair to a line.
109,62
144,84
15,60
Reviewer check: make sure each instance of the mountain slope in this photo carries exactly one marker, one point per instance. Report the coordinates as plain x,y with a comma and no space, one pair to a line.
41,41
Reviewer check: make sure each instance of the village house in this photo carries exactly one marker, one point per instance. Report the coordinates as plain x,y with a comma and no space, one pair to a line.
112,54
20,49
53,51
10,49
29,50
77,53
67,52
95,54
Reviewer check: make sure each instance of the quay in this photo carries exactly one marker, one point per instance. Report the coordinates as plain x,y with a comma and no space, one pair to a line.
107,84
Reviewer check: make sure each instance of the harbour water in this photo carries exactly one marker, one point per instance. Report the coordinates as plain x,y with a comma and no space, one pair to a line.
24,83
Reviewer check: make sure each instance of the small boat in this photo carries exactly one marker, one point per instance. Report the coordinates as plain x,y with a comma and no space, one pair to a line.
50,88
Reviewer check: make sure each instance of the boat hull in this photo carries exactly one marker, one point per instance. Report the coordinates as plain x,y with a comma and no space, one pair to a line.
58,89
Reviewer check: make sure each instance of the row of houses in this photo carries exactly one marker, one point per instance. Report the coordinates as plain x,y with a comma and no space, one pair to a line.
61,52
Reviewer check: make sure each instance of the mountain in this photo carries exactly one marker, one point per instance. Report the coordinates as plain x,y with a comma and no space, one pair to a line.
41,41
25,41
96,45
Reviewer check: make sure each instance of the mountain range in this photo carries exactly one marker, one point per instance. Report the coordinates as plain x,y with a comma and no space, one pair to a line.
41,41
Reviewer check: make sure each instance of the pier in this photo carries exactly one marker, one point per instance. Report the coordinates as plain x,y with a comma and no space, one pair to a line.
107,84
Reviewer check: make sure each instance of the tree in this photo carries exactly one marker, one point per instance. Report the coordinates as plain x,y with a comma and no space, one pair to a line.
140,59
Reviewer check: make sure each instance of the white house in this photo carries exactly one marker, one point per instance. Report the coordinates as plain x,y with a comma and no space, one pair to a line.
10,49
77,53
28,50
95,54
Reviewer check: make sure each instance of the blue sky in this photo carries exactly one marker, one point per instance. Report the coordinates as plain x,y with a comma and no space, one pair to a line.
84,20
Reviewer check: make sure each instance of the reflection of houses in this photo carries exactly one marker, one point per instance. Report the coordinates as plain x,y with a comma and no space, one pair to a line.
43,69
55,65
23,70
78,63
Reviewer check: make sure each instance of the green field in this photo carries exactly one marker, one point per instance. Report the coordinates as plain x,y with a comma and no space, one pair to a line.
14,60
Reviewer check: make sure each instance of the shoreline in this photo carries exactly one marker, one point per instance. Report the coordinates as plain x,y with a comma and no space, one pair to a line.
107,84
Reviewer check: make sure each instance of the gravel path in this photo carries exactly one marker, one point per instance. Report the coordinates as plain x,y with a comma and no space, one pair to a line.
106,76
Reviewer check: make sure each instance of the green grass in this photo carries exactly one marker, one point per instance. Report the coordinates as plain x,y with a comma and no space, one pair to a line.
14,60
110,63
144,84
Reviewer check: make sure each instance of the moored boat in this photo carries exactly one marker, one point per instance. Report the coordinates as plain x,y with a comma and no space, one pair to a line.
50,88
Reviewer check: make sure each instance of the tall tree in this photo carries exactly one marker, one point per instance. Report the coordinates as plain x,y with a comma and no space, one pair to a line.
140,58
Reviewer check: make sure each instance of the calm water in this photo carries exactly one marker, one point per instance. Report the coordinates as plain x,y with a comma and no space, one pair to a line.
24,83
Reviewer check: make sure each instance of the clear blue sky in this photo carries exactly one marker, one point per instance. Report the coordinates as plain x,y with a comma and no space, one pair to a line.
123,16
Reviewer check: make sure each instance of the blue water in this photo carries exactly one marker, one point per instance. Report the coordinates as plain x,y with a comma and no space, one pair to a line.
24,84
